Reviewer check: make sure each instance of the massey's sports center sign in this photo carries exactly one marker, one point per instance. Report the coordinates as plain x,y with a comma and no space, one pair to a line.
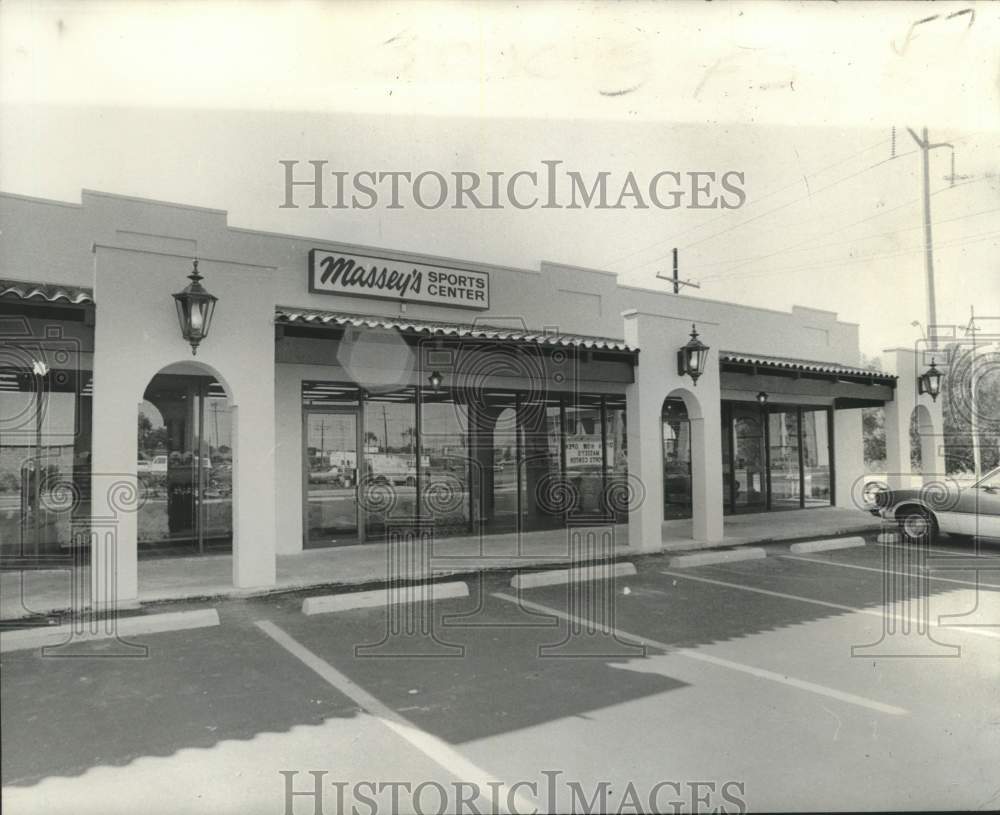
371,276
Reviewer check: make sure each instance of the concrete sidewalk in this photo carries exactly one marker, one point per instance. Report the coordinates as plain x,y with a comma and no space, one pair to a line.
23,594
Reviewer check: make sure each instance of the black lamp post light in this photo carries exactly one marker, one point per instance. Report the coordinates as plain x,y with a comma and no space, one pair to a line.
195,307
929,382
762,398
692,357
435,379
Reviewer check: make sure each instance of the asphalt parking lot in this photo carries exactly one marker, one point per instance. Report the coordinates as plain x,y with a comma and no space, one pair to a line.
782,683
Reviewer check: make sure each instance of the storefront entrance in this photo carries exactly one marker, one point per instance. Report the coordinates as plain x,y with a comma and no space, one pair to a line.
185,467
776,457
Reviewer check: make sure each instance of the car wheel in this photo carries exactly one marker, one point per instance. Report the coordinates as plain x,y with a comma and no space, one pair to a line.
917,525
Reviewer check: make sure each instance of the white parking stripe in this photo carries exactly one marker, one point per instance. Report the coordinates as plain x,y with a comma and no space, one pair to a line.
431,746
987,555
690,653
854,609
975,585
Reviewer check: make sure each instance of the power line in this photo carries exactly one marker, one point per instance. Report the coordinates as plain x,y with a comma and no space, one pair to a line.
872,217
754,259
763,197
797,200
970,239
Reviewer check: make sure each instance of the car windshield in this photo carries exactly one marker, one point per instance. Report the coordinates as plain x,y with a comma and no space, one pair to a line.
991,480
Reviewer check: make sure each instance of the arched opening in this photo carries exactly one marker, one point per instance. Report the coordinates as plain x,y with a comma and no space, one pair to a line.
676,436
922,441
185,464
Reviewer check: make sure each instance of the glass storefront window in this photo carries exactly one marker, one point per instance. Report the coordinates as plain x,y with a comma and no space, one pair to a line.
491,460
331,476
44,464
793,472
616,435
585,454
389,474
816,457
545,496
783,455
749,473
445,479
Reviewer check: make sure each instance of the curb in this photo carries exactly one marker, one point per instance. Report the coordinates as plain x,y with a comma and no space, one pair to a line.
552,577
826,545
327,603
31,638
708,558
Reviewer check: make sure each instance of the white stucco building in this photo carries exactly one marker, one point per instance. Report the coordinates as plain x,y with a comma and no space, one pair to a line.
330,402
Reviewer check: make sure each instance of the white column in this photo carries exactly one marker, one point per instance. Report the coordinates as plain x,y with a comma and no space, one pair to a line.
644,403
114,572
254,564
659,337
706,460
288,483
848,457
908,365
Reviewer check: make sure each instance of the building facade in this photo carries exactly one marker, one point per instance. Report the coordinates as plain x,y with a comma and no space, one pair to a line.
344,389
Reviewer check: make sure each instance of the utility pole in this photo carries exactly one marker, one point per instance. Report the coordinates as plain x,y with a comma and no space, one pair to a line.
675,279
925,148
977,461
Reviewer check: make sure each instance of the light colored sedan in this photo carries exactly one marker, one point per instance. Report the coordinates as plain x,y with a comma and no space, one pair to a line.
964,511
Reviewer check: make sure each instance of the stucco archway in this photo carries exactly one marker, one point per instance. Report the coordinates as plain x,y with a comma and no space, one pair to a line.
924,442
185,463
704,466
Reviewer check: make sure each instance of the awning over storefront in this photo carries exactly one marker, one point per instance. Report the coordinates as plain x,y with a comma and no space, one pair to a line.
45,292
754,363
286,316
801,381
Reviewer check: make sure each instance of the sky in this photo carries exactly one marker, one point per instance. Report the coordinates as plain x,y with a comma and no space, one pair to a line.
198,103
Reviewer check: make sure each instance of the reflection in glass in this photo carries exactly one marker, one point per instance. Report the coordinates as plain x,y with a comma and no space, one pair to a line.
816,456
749,484
44,463
331,475
616,435
496,444
783,450
676,460
389,474
445,493
185,466
584,454
545,496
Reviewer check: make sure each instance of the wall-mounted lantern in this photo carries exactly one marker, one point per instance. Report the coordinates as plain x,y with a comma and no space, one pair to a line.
195,307
762,398
929,382
435,379
692,357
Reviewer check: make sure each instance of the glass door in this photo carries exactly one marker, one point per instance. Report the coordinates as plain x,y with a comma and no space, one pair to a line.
331,477
749,472
785,472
